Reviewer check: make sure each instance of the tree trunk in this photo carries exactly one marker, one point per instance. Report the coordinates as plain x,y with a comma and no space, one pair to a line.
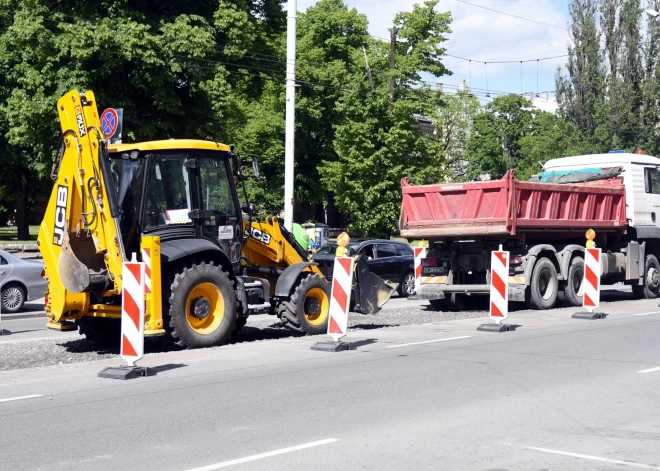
22,222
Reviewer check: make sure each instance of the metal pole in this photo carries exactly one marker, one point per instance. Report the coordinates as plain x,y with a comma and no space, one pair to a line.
290,129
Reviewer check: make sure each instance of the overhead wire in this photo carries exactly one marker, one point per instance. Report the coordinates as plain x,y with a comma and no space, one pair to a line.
511,15
259,56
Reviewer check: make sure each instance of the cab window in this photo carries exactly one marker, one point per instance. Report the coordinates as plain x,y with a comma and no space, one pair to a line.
216,192
168,191
652,180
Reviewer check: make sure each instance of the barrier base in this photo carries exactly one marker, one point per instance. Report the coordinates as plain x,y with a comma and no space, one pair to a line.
332,346
589,315
4,332
125,372
497,328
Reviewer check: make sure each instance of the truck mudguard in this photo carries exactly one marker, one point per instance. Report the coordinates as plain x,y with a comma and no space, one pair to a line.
533,254
174,250
288,278
565,257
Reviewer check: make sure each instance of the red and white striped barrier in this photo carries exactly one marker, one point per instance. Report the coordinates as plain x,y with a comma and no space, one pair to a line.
591,280
420,253
499,286
132,311
146,258
340,298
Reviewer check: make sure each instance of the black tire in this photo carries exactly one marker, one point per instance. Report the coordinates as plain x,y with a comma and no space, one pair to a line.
651,287
542,292
407,285
452,303
438,304
203,307
307,310
571,294
240,323
102,332
13,298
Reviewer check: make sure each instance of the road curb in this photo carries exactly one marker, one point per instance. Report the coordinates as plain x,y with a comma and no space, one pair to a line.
24,315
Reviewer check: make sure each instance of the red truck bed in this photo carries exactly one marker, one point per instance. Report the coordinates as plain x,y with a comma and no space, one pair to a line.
510,207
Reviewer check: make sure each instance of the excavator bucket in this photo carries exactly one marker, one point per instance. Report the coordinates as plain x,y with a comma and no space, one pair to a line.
371,291
80,268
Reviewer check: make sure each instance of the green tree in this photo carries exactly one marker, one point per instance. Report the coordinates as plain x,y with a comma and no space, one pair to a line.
494,142
177,69
581,93
378,139
454,123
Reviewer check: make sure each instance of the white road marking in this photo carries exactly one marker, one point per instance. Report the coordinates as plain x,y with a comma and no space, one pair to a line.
260,456
429,341
20,398
646,313
650,370
593,458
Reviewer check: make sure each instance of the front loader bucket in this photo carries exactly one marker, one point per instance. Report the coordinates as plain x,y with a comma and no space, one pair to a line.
80,268
371,290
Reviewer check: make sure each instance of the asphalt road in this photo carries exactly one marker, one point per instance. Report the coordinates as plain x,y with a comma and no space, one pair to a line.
558,393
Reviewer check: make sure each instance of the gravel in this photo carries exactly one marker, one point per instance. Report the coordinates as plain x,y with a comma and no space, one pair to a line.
31,353
49,352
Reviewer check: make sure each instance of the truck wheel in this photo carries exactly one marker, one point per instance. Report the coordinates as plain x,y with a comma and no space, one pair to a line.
651,287
306,310
407,285
103,332
571,295
542,292
202,306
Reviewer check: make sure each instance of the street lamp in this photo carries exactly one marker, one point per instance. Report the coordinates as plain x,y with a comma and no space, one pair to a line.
653,15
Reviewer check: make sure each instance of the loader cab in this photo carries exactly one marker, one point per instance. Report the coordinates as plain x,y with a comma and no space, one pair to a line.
178,190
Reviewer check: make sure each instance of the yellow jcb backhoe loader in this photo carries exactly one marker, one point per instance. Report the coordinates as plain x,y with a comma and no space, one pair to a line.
175,202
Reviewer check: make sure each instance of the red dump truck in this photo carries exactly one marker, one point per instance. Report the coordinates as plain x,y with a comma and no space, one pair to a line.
543,226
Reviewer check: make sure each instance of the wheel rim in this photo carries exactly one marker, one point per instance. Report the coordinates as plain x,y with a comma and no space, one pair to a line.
652,278
577,281
546,285
11,298
205,308
409,283
316,306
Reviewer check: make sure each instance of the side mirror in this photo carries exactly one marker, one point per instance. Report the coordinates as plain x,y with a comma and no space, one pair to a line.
248,208
255,167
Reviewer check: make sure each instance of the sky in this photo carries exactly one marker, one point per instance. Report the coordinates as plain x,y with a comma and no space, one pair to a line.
486,36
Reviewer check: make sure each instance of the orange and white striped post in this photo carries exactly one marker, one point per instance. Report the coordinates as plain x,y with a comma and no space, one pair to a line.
132,322
591,280
340,298
499,292
132,311
420,253
499,286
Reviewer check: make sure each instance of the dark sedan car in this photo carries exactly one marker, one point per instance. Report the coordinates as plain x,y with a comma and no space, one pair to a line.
392,261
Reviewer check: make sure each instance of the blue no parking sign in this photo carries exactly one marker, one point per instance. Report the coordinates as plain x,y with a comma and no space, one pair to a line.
111,124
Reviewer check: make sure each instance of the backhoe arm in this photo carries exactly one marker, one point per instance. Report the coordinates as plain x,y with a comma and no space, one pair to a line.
79,237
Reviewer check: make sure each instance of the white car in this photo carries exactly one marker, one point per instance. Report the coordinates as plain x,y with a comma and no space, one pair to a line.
20,281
